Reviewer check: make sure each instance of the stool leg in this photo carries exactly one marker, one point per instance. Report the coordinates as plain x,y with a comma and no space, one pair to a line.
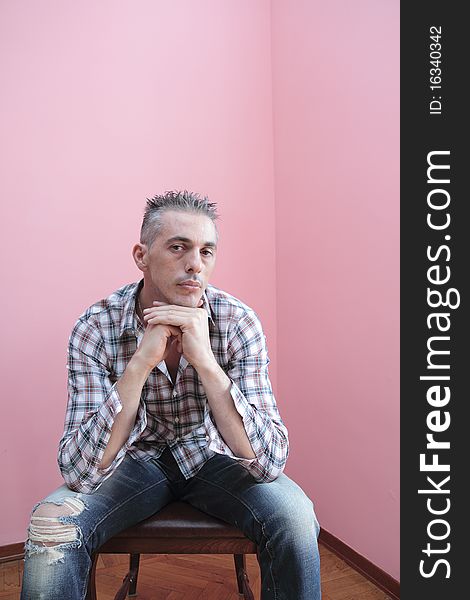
242,577
91,590
129,583
134,562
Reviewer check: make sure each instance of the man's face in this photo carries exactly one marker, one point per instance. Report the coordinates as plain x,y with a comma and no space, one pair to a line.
181,259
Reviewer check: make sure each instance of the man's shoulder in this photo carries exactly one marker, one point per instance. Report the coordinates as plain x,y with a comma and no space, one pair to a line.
113,307
225,306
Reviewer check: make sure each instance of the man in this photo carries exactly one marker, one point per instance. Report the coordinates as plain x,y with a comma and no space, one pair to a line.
169,397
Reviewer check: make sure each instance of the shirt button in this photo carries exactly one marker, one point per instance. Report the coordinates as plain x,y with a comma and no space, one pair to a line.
207,438
174,394
177,420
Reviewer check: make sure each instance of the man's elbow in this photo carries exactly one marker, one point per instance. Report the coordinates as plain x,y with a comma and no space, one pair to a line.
77,484
80,486
266,473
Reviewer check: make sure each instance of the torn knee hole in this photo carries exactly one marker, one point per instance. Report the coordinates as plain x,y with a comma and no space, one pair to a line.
47,527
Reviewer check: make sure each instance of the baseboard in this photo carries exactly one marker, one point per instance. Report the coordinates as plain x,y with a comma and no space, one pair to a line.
358,562
361,564
12,552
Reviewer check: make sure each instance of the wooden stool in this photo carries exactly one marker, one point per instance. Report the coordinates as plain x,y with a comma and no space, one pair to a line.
178,528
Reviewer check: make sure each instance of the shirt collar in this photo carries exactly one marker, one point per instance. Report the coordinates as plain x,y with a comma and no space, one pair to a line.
129,320
129,315
207,307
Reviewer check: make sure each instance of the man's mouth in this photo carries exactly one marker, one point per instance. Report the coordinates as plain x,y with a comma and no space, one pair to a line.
190,285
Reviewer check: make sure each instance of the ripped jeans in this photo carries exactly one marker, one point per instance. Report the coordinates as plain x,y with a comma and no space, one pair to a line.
68,527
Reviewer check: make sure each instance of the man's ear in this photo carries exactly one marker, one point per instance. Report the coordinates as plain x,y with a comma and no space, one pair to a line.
140,254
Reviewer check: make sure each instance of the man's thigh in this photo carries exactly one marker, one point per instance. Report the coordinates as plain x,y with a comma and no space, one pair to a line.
225,489
135,490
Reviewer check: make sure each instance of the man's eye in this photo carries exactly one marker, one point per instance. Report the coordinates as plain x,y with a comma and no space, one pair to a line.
207,252
176,247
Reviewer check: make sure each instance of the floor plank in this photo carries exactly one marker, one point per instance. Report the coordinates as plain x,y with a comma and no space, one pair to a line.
200,577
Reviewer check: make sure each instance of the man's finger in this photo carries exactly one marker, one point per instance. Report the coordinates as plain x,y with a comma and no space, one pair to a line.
175,331
169,312
173,307
170,320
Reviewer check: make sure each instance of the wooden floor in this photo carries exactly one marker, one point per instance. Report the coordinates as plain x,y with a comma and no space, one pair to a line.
200,577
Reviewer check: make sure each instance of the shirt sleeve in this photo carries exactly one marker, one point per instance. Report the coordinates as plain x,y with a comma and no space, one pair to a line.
93,403
254,400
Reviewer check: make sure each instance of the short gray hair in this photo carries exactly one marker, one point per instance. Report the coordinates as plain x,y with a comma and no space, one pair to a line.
173,200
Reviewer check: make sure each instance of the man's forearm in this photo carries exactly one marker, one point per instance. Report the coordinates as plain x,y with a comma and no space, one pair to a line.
129,387
229,422
196,346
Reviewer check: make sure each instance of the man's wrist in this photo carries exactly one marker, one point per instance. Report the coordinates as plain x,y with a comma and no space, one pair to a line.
139,367
211,369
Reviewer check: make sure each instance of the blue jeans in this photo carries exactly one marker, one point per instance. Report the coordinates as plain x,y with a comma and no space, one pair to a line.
278,516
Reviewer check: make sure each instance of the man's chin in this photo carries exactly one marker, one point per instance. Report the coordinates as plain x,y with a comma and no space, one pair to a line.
189,300
190,303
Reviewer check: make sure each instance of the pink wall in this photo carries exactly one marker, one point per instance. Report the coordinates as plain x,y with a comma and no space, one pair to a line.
102,104
336,128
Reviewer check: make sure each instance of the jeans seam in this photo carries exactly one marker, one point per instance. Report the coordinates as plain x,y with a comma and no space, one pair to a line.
118,506
268,549
106,516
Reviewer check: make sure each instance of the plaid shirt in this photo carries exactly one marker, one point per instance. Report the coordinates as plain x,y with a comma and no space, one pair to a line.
101,344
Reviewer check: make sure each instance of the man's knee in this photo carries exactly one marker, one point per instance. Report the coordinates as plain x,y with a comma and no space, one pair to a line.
299,518
53,528
291,513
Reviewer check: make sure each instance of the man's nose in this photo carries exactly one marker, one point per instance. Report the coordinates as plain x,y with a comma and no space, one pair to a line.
194,263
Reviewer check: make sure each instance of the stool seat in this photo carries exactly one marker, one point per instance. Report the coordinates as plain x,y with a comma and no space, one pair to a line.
179,519
178,528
